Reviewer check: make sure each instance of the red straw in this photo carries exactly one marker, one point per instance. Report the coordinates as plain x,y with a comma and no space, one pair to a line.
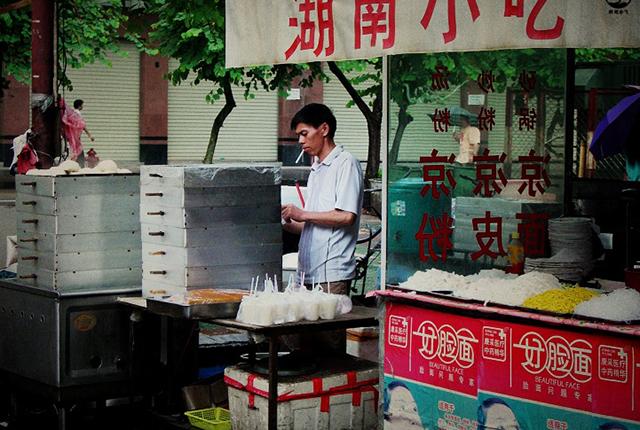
300,193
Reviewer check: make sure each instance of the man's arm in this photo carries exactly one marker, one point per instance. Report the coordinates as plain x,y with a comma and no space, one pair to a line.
333,218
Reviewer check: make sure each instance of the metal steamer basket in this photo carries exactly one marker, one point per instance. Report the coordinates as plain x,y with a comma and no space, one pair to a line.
79,233
209,226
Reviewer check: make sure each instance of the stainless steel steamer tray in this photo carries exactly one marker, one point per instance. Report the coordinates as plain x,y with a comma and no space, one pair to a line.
211,175
201,311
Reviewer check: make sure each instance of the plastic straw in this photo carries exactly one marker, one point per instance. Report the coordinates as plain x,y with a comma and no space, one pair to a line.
299,157
300,196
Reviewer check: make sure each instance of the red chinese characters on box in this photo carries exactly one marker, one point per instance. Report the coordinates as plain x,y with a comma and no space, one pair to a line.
613,364
567,369
398,331
556,367
494,343
440,352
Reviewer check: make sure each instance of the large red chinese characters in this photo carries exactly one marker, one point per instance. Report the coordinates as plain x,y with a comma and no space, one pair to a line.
375,18
516,8
315,25
451,34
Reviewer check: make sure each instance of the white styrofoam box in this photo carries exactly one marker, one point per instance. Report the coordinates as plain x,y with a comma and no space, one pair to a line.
362,342
345,410
166,196
206,236
60,186
210,216
62,243
211,175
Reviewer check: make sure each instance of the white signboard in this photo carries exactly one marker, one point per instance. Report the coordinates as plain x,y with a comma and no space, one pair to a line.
295,31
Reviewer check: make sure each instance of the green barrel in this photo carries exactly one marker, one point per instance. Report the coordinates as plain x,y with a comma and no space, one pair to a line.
405,210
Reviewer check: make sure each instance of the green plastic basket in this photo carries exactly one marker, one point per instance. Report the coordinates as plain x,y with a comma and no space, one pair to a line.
210,419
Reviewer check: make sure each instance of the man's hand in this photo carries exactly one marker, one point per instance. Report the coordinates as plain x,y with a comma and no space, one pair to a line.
292,213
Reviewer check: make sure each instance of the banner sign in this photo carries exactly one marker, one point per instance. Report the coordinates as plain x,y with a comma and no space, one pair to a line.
468,373
297,31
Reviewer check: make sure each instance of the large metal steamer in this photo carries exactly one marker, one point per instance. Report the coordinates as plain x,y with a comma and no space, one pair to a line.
63,336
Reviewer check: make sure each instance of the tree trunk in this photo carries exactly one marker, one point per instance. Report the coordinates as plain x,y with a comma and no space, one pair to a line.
229,104
373,117
404,119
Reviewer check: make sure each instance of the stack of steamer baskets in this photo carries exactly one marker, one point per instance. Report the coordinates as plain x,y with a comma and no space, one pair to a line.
209,226
80,232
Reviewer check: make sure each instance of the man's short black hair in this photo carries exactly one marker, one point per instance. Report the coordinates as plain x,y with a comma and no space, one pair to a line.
315,114
77,103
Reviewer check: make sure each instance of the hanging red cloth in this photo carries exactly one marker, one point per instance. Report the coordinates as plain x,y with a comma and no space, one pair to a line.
72,126
27,159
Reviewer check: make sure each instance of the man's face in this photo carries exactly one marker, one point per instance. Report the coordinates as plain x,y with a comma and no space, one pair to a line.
310,138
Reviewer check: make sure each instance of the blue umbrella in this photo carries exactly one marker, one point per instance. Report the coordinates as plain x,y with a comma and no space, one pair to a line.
612,132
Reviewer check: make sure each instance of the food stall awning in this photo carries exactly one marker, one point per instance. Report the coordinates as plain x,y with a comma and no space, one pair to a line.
296,31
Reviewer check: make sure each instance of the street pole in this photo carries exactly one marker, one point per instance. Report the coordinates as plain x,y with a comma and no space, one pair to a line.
43,109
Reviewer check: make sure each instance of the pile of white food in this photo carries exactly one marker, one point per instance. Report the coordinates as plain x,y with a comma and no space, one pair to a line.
620,305
70,167
493,286
433,280
509,291
270,306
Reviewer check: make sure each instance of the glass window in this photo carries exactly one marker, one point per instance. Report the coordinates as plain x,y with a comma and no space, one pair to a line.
475,154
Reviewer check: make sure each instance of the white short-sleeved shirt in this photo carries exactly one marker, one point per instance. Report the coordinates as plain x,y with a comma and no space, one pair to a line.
327,254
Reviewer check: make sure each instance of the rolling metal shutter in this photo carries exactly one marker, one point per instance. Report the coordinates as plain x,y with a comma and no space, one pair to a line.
250,132
351,131
111,104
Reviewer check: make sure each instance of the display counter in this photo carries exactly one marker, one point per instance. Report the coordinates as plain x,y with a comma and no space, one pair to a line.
454,364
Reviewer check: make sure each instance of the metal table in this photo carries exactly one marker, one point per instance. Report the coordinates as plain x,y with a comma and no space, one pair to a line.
360,316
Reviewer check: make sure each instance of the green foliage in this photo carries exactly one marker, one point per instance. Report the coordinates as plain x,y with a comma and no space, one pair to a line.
87,32
15,40
364,75
193,32
590,55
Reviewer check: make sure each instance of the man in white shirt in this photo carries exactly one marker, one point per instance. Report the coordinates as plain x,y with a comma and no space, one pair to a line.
330,220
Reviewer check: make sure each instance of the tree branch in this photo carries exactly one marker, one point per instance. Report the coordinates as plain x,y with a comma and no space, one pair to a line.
357,99
229,105
15,6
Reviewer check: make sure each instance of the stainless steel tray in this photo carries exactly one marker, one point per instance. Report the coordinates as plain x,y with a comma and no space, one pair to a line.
168,196
217,254
81,205
77,185
81,260
86,280
200,237
211,175
109,220
229,276
210,216
204,311
64,243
